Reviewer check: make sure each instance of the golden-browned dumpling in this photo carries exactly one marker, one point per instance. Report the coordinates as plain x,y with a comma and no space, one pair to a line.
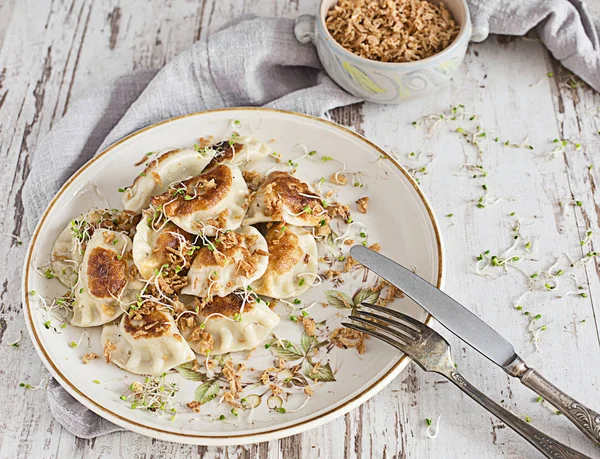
232,261
293,262
67,252
107,284
213,200
155,247
169,167
146,341
239,151
224,326
282,197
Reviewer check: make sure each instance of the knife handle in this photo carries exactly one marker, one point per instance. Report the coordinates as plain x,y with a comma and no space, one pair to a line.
586,420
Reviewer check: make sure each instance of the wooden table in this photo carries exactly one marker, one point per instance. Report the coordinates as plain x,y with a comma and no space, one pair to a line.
53,51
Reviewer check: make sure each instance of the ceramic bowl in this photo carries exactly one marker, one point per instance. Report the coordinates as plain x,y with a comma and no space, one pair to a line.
386,82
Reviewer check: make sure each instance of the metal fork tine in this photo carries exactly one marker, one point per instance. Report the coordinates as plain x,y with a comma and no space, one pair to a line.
411,332
406,339
420,326
381,336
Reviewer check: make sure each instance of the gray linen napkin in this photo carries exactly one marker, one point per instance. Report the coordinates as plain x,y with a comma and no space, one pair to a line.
566,27
267,68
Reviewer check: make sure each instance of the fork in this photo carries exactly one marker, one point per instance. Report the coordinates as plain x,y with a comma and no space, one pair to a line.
432,353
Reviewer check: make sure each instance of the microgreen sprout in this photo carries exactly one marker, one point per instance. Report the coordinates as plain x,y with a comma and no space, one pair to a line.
58,310
154,394
18,241
42,385
588,237
486,200
561,147
535,332
317,279
429,432
344,237
74,344
15,343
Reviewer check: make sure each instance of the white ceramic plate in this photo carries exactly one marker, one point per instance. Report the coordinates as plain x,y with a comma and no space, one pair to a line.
399,218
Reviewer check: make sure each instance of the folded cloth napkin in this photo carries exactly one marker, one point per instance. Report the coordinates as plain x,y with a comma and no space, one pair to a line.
268,68
566,27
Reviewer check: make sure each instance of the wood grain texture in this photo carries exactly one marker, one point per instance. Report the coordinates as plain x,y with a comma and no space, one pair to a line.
51,51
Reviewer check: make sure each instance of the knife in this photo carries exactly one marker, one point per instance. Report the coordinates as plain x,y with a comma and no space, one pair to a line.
479,335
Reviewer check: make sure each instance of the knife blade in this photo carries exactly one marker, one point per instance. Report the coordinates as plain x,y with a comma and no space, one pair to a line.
447,311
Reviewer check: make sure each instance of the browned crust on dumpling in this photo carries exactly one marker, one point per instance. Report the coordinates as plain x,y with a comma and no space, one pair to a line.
107,275
150,321
206,190
167,243
284,250
281,189
227,246
109,310
252,179
228,306
224,152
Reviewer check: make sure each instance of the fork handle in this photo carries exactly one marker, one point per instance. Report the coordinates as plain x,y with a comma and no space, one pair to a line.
545,444
586,419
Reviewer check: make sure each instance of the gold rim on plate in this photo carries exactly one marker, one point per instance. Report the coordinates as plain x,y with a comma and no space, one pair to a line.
249,437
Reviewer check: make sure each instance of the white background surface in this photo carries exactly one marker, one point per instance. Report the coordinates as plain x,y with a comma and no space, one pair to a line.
53,51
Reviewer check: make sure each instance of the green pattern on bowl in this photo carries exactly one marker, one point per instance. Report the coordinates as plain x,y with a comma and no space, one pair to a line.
386,82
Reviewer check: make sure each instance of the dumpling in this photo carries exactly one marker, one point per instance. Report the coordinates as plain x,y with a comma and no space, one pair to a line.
154,247
282,197
106,283
146,341
223,326
67,252
66,256
293,262
172,166
204,204
238,151
231,262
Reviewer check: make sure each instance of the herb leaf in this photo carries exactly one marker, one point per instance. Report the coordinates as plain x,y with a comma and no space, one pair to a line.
323,373
287,352
365,294
186,371
338,299
306,342
207,391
